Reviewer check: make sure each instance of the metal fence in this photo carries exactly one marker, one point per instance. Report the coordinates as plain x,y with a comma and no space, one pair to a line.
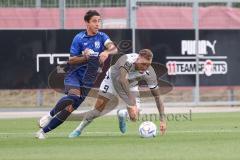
55,3
112,3
66,14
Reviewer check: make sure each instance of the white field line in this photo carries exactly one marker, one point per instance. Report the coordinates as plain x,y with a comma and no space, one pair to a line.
128,133
150,110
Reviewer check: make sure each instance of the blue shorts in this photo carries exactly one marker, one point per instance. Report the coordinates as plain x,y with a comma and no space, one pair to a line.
72,82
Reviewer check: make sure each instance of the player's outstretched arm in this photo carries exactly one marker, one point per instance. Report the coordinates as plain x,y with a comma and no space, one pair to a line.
156,94
77,60
123,81
110,49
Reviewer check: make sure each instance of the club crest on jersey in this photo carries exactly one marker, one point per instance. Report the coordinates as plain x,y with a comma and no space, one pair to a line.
97,44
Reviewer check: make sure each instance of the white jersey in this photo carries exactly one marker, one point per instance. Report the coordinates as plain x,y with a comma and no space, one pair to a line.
110,86
128,62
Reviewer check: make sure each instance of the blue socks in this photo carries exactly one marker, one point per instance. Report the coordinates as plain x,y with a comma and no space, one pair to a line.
55,122
62,111
61,104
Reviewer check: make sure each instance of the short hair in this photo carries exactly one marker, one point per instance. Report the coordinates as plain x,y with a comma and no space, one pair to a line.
90,14
146,53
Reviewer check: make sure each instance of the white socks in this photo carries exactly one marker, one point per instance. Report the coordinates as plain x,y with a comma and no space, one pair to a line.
82,125
123,112
90,116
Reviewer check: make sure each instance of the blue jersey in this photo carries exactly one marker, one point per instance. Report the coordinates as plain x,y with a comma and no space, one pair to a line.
85,74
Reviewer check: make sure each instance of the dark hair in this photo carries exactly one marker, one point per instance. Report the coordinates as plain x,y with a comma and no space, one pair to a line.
146,53
90,14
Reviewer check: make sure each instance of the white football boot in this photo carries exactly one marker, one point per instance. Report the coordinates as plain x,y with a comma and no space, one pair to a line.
40,134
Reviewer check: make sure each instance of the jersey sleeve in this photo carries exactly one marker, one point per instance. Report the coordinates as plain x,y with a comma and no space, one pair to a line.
76,48
151,78
106,39
123,62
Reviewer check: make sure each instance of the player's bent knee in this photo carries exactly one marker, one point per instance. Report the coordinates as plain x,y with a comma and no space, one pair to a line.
75,92
70,108
63,115
101,103
76,100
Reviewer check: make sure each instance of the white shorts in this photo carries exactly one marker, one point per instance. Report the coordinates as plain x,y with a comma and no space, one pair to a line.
107,90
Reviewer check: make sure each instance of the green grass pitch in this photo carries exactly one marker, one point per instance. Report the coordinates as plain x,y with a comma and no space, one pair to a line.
207,136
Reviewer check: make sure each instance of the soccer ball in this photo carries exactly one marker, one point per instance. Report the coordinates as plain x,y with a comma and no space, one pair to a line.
147,129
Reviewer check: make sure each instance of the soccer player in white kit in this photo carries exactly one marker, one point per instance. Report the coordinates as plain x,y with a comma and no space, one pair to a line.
122,80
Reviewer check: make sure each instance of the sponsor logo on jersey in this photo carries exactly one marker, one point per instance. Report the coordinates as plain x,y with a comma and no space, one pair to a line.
92,53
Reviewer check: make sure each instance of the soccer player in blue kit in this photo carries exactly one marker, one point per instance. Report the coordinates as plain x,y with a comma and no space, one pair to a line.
88,51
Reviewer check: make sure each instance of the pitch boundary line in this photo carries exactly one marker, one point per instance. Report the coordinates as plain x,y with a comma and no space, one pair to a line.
128,133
